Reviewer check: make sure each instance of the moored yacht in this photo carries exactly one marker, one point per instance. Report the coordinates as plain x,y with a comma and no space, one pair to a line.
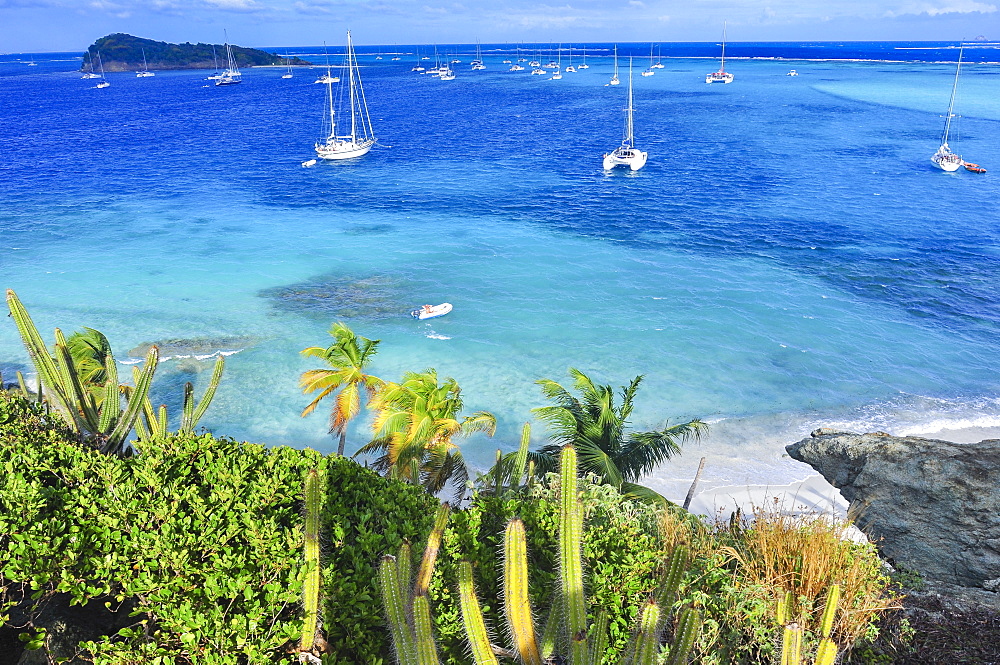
626,154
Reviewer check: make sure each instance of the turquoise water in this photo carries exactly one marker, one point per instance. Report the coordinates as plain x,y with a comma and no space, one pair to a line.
788,259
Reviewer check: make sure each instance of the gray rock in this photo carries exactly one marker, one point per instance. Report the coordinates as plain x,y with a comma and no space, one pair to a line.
930,506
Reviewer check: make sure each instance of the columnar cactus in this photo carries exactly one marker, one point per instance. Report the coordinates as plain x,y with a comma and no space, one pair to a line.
791,639
311,588
407,607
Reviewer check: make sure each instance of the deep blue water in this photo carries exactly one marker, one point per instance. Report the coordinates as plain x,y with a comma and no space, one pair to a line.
789,257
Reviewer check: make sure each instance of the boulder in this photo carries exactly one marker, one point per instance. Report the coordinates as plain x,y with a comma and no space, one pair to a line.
930,506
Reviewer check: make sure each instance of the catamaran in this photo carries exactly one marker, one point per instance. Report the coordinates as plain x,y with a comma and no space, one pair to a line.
614,77
145,73
360,139
557,74
570,69
944,158
584,65
288,63
721,76
626,154
104,82
231,75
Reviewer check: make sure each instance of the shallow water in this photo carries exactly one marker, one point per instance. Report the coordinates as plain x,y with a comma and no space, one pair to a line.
788,259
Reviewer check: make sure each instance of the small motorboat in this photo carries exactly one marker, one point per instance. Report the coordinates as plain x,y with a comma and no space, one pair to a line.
309,162
975,168
430,311
792,73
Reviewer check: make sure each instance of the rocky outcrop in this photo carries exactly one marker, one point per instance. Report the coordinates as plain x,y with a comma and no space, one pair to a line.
931,506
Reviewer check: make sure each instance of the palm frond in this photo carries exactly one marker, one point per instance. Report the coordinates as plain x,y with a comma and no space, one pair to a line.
642,494
644,451
594,460
480,421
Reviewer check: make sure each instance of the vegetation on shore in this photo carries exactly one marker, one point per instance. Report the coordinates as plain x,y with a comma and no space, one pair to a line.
124,53
202,549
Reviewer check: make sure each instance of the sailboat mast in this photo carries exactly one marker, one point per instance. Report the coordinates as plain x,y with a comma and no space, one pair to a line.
722,65
951,104
628,110
351,64
329,95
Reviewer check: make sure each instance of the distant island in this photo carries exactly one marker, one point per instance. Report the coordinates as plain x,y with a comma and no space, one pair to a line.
123,53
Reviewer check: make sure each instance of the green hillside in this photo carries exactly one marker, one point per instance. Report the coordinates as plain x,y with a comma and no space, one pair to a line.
123,53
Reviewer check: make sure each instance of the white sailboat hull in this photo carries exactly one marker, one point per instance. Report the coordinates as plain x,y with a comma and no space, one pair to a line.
630,157
341,149
719,77
946,160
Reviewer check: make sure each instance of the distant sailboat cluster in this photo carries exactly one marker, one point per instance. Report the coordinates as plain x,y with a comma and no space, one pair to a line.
348,131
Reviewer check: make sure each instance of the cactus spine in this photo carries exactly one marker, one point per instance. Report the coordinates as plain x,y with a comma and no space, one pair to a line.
311,588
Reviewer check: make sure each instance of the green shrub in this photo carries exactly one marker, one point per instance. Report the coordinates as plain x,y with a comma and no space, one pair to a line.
203,533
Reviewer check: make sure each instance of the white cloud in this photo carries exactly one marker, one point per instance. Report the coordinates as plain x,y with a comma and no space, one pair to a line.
233,4
942,8
636,3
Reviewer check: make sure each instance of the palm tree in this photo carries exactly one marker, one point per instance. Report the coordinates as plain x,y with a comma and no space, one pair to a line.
348,357
415,424
596,427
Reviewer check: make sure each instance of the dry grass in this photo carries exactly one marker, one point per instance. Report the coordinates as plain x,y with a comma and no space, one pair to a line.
779,553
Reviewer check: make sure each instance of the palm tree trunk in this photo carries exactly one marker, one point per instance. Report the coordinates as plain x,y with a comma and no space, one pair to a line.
343,440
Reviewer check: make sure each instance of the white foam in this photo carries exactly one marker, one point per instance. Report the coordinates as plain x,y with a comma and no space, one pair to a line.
437,336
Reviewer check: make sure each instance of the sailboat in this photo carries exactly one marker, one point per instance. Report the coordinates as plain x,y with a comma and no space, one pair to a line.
517,66
626,154
231,75
445,72
584,65
570,69
343,144
649,70
721,76
418,67
477,64
288,63
614,77
32,62
91,74
557,74
145,73
104,82
395,57
327,78
217,75
659,63
944,158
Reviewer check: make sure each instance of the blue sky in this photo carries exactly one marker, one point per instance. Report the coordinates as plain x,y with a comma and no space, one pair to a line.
64,25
